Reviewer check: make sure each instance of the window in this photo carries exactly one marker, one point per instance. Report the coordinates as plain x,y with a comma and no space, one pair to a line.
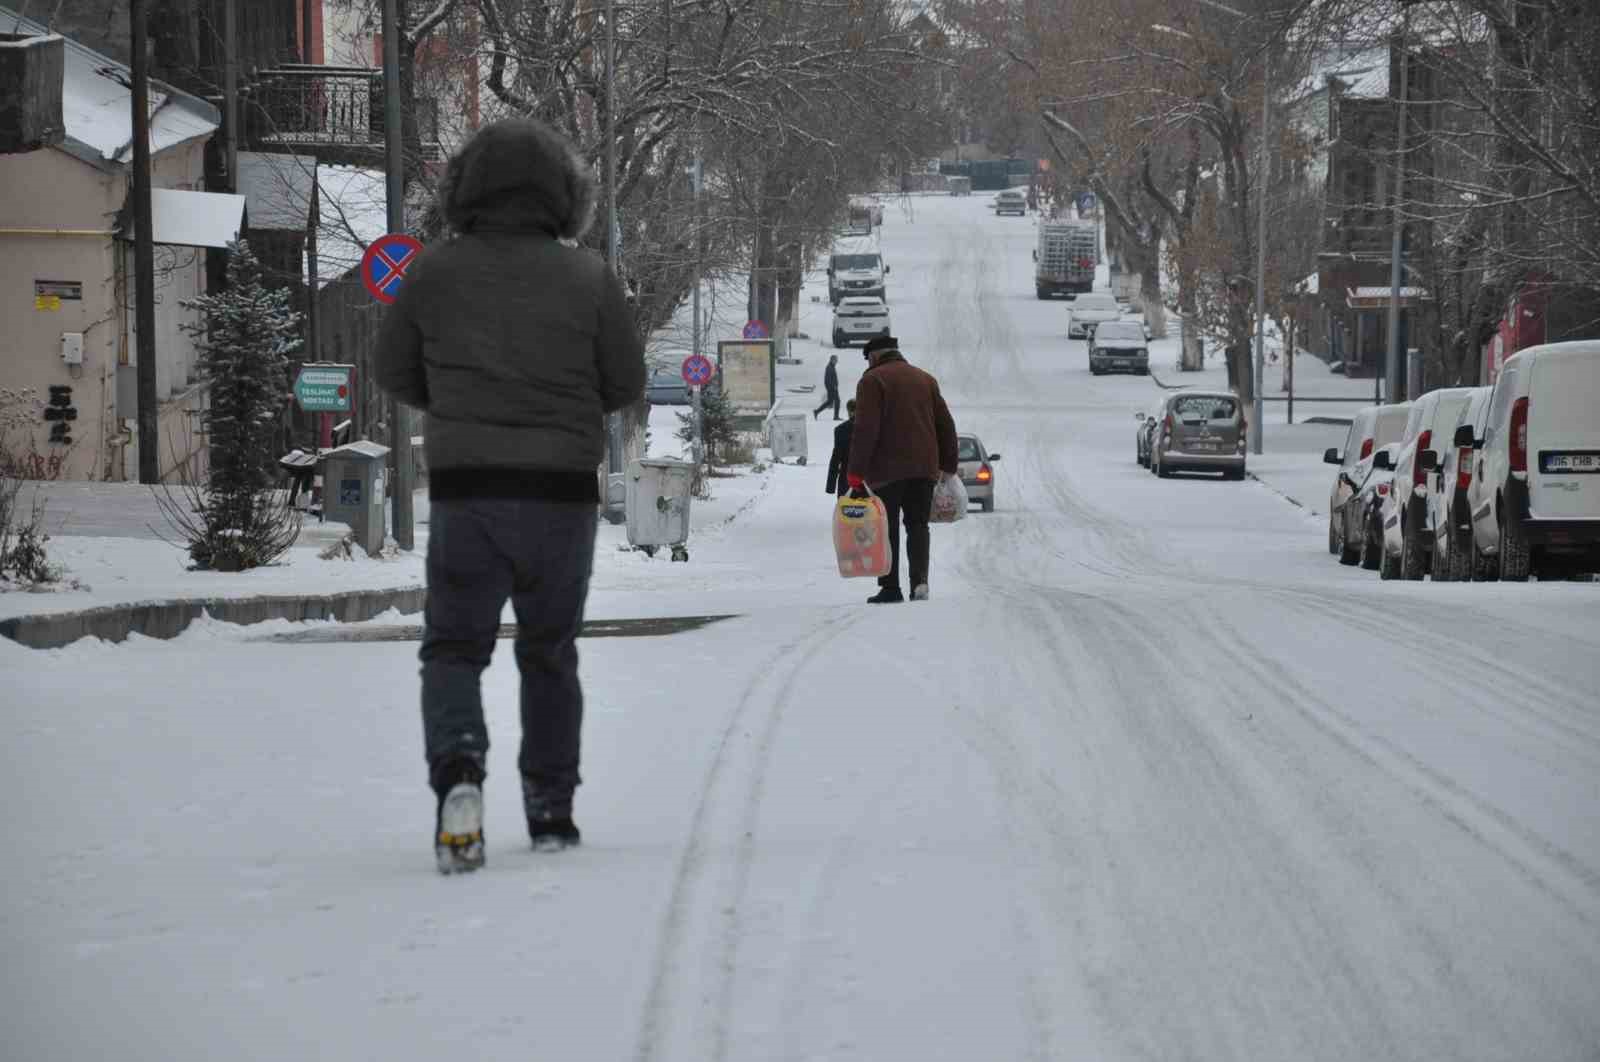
967,449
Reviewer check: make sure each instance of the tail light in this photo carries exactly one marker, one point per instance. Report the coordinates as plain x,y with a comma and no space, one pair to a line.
1464,468
1519,435
985,474
1366,448
1418,476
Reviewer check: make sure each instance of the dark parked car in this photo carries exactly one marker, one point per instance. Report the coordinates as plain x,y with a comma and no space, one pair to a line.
1142,436
1200,431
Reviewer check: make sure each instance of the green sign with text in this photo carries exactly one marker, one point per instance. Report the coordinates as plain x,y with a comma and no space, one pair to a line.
323,388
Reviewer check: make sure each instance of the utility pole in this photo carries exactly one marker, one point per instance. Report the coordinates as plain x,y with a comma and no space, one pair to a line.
698,443
144,252
1396,365
614,440
230,87
1257,421
394,164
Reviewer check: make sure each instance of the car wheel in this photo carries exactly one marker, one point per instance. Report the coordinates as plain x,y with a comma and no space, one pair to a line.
1371,548
1413,561
1513,552
1233,474
838,341
988,505
1163,471
1485,569
1388,563
1348,554
1042,293
1440,570
1334,544
1458,558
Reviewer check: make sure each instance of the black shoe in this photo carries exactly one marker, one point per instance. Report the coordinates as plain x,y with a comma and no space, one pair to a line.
458,820
887,596
552,835
550,825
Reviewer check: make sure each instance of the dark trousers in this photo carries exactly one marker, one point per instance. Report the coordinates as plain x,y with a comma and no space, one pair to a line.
481,552
910,500
831,400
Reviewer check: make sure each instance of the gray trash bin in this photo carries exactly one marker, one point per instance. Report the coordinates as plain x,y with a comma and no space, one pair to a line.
658,505
353,490
786,435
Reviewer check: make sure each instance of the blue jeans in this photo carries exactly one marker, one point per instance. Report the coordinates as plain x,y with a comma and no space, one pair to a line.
538,554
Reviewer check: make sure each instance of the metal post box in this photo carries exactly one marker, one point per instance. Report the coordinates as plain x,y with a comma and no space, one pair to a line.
353,490
786,435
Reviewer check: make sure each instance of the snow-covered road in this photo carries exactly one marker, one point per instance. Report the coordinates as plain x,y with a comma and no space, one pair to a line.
1151,777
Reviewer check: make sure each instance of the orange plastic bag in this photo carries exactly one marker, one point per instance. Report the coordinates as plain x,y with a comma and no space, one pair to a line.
861,537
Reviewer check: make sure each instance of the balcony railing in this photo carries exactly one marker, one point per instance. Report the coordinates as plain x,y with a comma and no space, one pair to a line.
332,110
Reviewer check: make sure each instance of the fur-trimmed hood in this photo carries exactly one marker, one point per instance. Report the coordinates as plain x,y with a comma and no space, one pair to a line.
518,174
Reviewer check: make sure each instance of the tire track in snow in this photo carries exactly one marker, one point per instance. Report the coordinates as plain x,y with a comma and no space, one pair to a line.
688,1001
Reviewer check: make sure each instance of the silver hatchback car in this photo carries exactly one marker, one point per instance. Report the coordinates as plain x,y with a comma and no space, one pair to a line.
1200,431
976,468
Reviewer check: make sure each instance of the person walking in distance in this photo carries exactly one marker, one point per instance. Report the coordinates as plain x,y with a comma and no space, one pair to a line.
515,343
839,462
904,439
830,381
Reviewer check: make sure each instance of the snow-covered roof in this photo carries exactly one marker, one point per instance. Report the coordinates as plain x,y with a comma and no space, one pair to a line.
352,206
1364,74
97,104
277,189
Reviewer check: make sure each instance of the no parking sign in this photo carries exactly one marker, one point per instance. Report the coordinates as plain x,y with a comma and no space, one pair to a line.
383,267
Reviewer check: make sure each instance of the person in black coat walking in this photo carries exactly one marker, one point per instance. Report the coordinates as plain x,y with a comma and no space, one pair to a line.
830,381
838,483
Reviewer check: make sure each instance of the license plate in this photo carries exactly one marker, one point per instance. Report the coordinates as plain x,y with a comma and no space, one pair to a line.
1121,364
1205,446
1570,463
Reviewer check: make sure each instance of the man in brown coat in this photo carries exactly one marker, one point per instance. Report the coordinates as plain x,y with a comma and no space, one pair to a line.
904,440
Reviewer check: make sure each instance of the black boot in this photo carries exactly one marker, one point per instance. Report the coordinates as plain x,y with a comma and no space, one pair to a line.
550,825
889,595
458,820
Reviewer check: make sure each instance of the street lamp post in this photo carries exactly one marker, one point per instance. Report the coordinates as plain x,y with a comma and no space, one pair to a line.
1257,418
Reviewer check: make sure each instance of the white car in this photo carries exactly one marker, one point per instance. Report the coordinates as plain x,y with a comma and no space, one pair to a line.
858,318
1371,428
1409,535
1089,310
1011,203
1535,491
1449,518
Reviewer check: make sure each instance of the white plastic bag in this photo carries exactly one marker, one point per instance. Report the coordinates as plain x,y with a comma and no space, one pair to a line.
949,500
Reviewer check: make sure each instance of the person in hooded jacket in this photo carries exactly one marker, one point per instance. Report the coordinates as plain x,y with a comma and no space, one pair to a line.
830,384
516,344
904,440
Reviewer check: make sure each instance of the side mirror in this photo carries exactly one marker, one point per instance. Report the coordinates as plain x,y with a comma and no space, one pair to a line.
1464,435
1331,456
886,270
1036,254
994,457
1382,461
1428,460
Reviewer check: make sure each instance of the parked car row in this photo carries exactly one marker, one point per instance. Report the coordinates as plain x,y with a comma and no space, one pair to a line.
1194,431
1478,483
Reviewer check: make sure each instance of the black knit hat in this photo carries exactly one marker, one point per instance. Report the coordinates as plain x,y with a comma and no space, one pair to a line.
877,343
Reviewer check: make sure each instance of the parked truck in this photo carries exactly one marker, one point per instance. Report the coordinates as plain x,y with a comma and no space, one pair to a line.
1065,259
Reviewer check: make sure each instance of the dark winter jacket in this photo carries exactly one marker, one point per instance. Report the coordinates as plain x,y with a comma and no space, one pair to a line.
840,461
515,344
903,427
830,378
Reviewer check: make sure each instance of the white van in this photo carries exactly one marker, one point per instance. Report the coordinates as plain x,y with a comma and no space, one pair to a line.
1431,424
1535,491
